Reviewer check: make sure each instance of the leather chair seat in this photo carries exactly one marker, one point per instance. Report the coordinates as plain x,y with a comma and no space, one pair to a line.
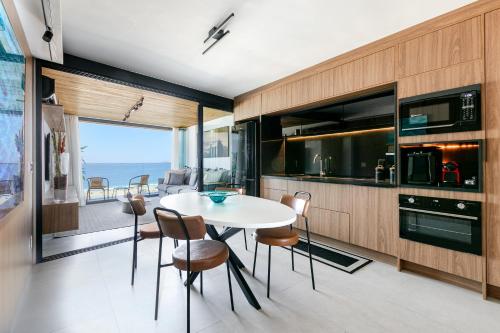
149,231
281,236
205,254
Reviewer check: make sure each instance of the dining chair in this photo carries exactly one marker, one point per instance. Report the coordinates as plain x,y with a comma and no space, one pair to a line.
240,191
286,236
97,183
148,231
195,255
139,182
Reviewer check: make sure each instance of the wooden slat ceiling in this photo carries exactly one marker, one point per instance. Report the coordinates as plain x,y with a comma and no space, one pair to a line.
93,98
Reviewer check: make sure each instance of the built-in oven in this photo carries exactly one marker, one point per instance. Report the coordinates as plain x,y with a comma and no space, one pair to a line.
453,110
448,223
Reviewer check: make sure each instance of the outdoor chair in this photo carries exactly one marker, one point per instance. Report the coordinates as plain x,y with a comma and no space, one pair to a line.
139,182
98,183
5,187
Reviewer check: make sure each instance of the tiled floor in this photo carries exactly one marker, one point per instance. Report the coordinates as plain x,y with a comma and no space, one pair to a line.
91,292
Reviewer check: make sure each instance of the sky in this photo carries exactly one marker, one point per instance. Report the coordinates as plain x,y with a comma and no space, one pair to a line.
124,144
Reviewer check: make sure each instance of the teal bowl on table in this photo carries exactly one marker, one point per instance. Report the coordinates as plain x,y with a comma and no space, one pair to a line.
218,196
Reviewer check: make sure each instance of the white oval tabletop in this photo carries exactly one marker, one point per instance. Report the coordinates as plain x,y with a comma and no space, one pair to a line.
238,211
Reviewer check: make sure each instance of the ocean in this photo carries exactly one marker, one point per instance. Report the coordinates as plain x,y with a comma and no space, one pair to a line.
119,174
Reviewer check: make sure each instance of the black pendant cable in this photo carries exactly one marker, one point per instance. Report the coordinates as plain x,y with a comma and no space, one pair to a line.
217,33
48,34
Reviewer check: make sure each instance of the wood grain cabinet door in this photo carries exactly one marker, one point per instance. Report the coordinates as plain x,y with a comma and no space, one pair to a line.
276,99
449,46
247,107
374,219
493,145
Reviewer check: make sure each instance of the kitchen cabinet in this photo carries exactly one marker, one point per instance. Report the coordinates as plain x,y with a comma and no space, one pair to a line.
306,90
374,222
492,124
458,43
276,99
247,107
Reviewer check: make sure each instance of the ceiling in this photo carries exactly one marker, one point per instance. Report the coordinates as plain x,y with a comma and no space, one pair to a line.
93,98
31,16
269,39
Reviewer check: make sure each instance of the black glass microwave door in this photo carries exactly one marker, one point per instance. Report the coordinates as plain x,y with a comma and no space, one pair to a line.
448,232
425,114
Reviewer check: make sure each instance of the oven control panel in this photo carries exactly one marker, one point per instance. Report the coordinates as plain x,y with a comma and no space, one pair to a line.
466,207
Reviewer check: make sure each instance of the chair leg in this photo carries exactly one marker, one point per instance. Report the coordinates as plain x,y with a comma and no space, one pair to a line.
176,244
255,259
188,291
268,270
230,288
310,256
293,263
201,283
245,236
134,258
158,279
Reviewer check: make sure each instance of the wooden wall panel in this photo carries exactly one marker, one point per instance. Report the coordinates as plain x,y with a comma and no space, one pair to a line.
248,107
16,227
275,99
462,264
343,79
306,90
450,77
374,222
449,46
378,68
492,101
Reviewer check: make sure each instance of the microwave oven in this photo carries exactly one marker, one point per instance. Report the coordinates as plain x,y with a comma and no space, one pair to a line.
454,110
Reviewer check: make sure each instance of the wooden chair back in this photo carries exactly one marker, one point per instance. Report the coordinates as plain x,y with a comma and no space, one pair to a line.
95,182
138,204
144,180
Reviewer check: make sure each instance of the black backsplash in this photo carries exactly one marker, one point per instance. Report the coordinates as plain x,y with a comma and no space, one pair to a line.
353,156
290,142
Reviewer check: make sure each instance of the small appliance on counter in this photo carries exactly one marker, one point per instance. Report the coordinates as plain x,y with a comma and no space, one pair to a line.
392,174
423,166
380,171
450,174
451,165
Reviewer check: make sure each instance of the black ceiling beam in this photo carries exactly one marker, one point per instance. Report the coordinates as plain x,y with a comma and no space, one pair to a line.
89,68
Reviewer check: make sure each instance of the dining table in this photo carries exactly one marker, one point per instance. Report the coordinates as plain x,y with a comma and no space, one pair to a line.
236,213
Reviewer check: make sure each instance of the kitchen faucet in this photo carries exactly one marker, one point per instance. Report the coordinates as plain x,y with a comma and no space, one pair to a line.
321,170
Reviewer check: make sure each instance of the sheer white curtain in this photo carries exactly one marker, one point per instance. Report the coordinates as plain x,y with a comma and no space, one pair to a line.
174,159
75,177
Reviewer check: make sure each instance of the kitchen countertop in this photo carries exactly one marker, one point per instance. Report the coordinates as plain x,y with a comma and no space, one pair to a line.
333,180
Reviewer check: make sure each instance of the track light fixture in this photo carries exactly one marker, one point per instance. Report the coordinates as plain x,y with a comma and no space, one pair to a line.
133,109
217,33
48,34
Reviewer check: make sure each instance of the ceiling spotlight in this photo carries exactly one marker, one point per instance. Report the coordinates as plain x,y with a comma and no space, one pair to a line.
48,34
217,33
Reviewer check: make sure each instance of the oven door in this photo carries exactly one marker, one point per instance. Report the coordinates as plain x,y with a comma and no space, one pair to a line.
429,116
451,231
